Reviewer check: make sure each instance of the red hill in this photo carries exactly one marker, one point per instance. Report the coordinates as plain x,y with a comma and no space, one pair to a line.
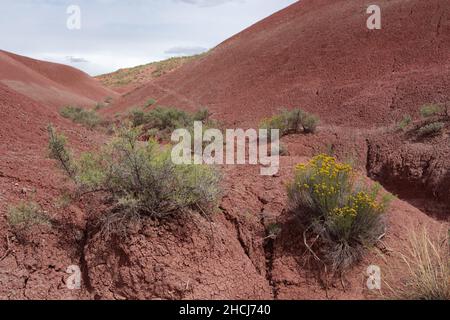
319,55
50,83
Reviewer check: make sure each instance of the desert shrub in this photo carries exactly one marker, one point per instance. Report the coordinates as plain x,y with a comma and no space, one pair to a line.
431,129
58,151
344,214
428,262
275,122
149,103
25,215
310,123
405,122
294,121
161,122
282,150
88,118
99,106
142,181
201,115
168,119
137,117
108,100
430,110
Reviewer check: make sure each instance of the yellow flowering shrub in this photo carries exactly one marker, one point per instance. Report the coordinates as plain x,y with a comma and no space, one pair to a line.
346,215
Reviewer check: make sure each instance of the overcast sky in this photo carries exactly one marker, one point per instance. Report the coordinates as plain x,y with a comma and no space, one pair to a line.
123,33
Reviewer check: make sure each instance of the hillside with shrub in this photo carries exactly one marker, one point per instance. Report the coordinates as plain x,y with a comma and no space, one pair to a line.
363,178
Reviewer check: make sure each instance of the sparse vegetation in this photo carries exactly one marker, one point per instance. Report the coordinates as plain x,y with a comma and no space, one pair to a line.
430,110
142,181
282,150
404,123
294,121
342,214
108,100
99,106
431,129
428,262
144,73
149,103
58,151
25,215
161,122
87,118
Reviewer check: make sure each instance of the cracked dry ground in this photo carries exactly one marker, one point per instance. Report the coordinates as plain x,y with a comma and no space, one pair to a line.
230,256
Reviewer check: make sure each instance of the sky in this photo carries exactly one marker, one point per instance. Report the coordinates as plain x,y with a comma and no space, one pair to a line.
116,34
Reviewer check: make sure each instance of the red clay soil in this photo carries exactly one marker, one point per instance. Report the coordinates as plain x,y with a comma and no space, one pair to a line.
189,257
231,256
320,56
417,169
50,83
315,55
33,265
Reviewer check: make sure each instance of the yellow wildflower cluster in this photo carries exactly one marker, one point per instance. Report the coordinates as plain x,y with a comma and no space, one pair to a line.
323,189
364,200
323,174
326,166
345,212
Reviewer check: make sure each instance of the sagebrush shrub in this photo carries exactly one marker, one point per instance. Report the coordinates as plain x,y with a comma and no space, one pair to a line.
149,103
293,121
137,117
310,123
430,110
88,118
202,115
343,214
57,150
161,122
142,180
405,122
431,129
25,215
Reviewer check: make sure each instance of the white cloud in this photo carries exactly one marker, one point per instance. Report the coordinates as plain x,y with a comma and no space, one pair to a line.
123,33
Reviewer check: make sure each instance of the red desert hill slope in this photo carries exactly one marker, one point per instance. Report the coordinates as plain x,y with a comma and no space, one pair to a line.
50,83
319,55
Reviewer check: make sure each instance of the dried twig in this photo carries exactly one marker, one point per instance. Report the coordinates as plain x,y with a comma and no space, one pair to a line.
8,249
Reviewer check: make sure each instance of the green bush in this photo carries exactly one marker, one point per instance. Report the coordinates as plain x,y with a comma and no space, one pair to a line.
57,150
405,122
137,117
25,215
99,106
310,123
149,103
108,100
142,181
430,110
201,115
431,129
294,121
161,122
88,118
282,150
345,216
